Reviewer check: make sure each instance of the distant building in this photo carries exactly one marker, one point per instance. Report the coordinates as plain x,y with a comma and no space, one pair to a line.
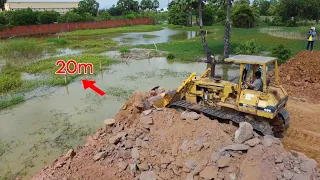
60,6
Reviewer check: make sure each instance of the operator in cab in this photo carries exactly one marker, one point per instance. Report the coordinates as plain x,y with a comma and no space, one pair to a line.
257,84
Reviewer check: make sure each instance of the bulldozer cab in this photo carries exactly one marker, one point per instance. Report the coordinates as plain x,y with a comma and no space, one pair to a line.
255,62
261,103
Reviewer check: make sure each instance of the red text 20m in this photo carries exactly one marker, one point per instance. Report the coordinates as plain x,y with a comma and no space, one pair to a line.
72,67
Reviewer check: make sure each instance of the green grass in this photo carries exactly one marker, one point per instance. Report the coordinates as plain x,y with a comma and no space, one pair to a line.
7,102
56,41
140,28
21,50
124,50
149,36
92,43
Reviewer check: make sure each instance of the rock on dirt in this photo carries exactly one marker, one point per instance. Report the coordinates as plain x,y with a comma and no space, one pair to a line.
148,175
100,155
134,150
245,132
252,142
189,116
209,172
109,122
70,153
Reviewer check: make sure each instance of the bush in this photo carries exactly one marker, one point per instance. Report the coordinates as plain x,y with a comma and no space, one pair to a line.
170,56
23,17
129,15
276,21
70,17
208,13
48,17
104,16
221,16
248,48
282,52
243,16
176,17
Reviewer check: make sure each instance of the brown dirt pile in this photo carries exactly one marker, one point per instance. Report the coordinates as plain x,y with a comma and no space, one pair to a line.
166,144
300,76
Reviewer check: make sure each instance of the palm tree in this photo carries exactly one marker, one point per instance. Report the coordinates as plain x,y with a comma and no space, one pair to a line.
227,30
204,42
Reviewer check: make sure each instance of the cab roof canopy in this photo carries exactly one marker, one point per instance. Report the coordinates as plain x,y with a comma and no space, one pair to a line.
249,59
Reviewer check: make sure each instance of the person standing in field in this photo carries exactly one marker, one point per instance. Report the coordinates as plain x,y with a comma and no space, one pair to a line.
311,37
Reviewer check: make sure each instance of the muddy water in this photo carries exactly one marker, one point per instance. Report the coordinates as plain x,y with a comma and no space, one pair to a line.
34,133
163,36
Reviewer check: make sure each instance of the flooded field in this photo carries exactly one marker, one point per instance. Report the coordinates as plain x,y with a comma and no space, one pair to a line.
39,130
165,35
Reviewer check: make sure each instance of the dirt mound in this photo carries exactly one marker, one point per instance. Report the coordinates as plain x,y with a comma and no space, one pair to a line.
301,76
166,144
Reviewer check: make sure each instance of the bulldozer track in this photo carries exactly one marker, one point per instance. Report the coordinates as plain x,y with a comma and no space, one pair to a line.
235,117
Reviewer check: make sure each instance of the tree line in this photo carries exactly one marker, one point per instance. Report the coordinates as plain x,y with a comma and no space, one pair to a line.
245,14
88,10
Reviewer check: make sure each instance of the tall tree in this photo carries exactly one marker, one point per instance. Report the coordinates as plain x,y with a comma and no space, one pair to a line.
146,4
89,6
227,35
2,2
155,5
290,10
128,5
204,41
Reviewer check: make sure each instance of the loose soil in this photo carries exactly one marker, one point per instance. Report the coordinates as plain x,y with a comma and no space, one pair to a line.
300,76
159,144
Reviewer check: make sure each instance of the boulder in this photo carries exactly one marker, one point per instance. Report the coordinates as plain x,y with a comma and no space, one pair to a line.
189,116
209,172
100,155
252,142
135,154
148,175
235,147
147,112
244,133
122,166
128,144
147,120
224,161
70,153
143,167
191,164
109,122
115,139
287,174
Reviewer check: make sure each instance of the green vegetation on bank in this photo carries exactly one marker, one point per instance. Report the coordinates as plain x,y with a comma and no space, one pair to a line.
190,50
12,83
140,28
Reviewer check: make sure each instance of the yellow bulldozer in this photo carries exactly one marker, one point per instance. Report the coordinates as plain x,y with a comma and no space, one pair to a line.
228,101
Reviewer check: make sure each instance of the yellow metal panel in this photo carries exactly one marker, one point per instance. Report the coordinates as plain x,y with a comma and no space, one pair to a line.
226,92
